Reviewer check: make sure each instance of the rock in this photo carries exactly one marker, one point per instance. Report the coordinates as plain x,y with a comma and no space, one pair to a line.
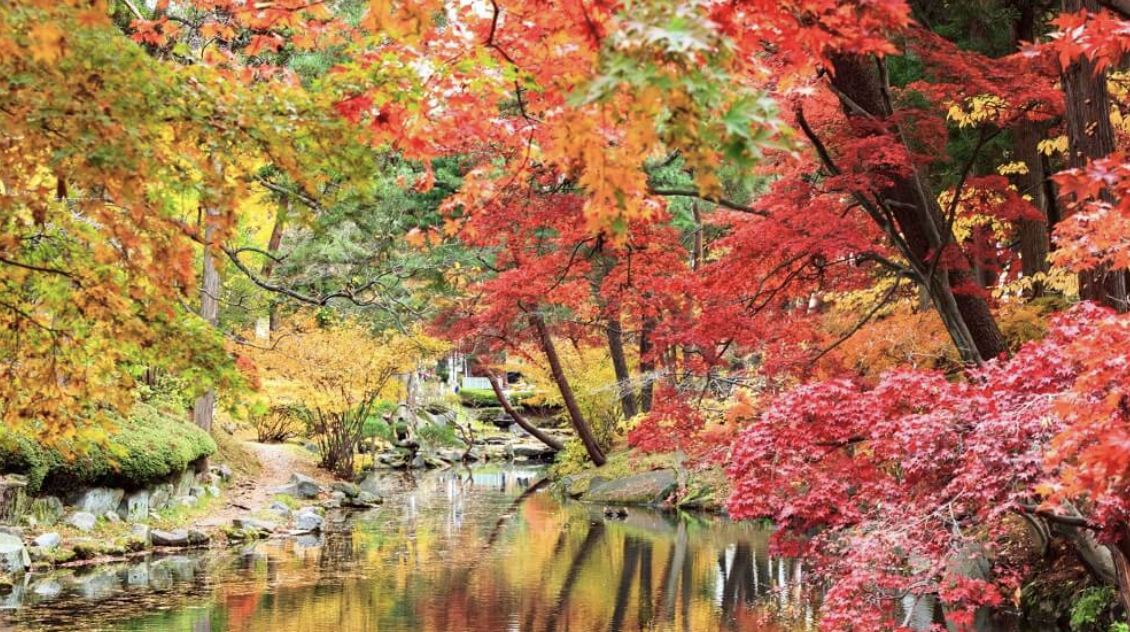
99,500
280,509
394,460
12,530
331,503
184,501
82,520
311,446
304,486
197,538
648,488
48,541
213,491
197,492
176,537
338,496
140,531
135,507
112,516
160,496
247,522
223,471
13,555
349,489
184,483
364,500
308,520
532,451
418,462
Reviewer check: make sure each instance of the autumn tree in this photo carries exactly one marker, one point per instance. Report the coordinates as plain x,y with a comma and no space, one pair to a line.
335,374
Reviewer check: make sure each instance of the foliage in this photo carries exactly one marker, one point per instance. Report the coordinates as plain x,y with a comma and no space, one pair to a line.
277,423
1092,604
334,377
897,477
143,447
107,154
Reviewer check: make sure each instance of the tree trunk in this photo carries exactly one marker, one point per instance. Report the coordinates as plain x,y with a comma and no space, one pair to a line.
1034,242
269,266
575,415
647,365
1034,234
534,431
920,223
620,365
204,407
1090,136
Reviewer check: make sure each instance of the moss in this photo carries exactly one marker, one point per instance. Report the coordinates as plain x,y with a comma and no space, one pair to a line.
146,446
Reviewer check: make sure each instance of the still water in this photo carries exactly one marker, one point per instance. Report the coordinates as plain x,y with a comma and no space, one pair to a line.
484,550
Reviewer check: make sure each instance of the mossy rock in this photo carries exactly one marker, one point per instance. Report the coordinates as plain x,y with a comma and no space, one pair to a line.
649,488
146,446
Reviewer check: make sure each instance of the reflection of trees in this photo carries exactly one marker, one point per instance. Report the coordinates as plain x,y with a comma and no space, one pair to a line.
624,589
596,532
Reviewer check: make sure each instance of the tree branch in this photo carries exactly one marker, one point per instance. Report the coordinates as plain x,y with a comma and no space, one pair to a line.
734,206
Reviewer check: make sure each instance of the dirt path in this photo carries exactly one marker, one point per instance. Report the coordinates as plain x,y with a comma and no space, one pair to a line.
278,461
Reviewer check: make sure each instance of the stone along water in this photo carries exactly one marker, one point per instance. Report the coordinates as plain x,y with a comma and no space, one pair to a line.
482,550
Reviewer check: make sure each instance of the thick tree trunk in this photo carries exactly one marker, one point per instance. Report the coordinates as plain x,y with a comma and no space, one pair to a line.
575,415
534,431
1090,136
204,407
1034,242
1034,234
647,365
620,366
921,224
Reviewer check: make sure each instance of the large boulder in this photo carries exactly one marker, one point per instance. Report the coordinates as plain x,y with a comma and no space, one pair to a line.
176,537
99,500
82,520
649,488
135,507
13,555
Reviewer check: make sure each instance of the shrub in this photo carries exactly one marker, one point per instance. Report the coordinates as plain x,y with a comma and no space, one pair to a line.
146,446
276,424
485,398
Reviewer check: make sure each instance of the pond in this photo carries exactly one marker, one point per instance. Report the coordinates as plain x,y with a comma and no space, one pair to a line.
485,550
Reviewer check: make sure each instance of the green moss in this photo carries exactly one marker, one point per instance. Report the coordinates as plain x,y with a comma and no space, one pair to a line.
148,445
1092,609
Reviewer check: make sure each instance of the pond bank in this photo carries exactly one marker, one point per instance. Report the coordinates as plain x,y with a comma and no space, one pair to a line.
659,480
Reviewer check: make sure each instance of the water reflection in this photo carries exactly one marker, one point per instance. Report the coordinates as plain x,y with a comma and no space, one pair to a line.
458,551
